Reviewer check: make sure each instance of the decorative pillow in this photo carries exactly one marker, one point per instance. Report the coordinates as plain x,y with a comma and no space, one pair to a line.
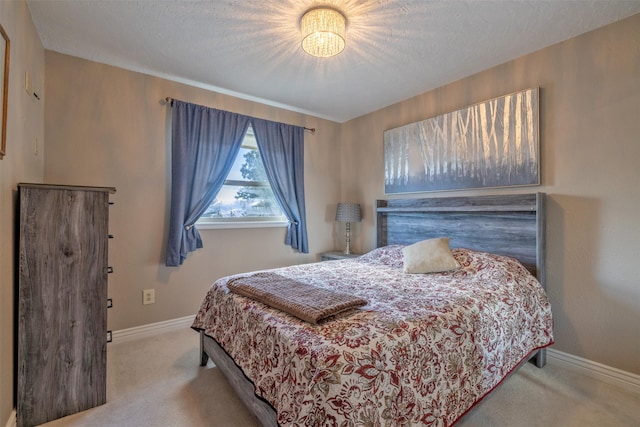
390,256
429,256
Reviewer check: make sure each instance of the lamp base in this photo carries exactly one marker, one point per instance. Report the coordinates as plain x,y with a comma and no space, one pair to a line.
347,249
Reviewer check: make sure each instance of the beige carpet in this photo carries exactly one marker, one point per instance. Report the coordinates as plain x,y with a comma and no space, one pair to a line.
157,381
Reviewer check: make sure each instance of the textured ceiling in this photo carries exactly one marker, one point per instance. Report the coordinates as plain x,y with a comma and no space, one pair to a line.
251,48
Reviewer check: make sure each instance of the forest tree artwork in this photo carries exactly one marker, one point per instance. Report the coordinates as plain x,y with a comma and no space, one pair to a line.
491,144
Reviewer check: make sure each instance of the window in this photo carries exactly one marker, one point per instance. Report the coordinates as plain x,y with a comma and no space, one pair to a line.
246,198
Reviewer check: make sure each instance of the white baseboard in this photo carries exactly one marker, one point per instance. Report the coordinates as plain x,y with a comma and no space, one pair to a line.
11,422
595,370
130,334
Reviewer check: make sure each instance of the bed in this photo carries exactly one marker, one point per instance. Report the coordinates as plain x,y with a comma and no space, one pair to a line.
403,358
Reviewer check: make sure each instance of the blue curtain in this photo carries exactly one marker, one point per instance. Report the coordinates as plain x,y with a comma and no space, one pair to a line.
204,144
282,149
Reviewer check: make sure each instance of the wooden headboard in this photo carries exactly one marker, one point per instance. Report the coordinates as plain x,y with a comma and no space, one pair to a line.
512,225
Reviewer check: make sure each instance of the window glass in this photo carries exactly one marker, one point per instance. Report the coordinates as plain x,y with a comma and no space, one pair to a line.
246,195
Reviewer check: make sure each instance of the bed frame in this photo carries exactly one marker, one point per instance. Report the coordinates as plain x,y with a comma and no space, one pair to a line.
512,225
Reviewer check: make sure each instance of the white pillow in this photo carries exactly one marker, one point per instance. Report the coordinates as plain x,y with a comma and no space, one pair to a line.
429,256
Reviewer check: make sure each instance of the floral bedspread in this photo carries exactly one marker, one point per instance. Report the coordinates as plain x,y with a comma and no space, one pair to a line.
425,349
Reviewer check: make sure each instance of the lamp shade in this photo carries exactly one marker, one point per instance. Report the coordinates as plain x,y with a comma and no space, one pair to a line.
348,212
323,32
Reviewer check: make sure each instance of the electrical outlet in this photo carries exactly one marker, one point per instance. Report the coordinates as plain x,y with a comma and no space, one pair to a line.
148,296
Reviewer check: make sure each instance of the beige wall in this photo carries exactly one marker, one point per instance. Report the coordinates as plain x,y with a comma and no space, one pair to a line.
106,126
25,123
590,150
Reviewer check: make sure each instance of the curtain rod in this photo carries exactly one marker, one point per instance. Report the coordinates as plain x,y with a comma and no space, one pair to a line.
169,100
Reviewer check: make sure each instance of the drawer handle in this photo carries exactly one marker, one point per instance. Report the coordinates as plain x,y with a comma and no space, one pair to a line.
109,336
109,270
109,302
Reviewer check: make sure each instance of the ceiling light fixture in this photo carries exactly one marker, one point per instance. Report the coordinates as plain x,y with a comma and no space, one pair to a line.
323,32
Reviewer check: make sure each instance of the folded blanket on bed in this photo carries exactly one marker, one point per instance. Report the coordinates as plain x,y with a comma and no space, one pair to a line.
304,301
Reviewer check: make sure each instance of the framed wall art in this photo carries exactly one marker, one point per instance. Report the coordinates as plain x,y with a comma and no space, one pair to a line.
4,87
491,144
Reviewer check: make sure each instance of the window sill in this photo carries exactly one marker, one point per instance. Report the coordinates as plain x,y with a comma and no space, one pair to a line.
241,224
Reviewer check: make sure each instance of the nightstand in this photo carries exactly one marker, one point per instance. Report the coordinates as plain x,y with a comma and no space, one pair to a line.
333,255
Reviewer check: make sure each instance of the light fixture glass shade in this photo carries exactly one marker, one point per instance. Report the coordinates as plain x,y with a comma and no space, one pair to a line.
323,32
348,212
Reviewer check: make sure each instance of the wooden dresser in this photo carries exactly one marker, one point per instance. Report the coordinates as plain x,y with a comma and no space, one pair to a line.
62,300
